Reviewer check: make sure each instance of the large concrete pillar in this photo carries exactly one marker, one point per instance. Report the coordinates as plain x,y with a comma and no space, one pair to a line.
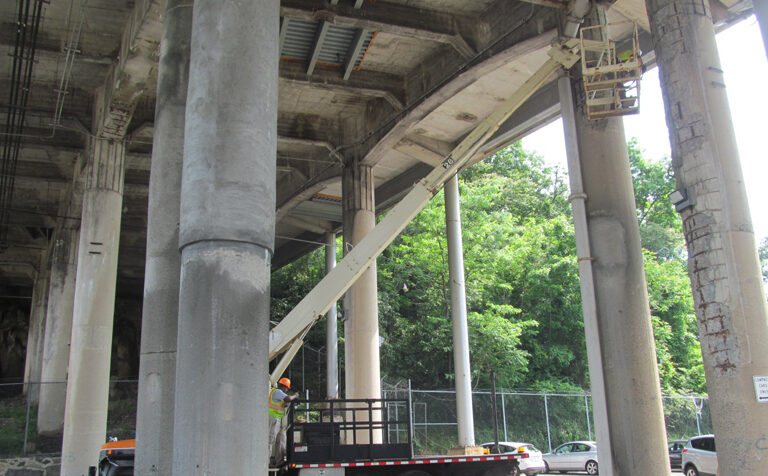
722,257
632,389
761,12
331,331
37,311
586,276
157,366
361,325
85,416
465,418
226,238
58,332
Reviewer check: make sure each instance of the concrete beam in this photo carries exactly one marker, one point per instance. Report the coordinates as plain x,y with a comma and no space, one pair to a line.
362,83
396,19
136,69
432,99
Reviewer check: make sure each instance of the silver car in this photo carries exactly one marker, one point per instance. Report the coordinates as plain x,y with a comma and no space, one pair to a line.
573,456
529,466
700,456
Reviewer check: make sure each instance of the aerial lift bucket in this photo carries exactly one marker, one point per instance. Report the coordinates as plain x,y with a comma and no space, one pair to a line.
611,78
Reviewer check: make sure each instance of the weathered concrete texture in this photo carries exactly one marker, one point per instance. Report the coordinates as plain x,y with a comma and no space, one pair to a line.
221,378
32,466
632,390
466,425
85,416
38,308
226,236
232,110
58,333
157,367
722,257
362,374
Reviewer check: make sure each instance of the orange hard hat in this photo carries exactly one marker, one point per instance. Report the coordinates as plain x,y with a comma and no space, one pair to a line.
285,381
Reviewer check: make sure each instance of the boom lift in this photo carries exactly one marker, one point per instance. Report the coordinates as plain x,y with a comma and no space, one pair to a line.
288,335
326,437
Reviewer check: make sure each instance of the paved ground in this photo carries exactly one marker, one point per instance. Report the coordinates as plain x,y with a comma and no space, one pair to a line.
674,473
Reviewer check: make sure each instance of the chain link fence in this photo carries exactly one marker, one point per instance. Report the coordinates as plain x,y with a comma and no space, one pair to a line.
19,408
543,419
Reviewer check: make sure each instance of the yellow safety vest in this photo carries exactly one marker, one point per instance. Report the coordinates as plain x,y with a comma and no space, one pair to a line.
276,410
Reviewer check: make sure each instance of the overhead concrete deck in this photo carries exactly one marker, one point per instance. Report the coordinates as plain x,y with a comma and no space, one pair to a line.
420,77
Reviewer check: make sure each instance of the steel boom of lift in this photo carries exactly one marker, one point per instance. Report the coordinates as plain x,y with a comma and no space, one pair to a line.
288,335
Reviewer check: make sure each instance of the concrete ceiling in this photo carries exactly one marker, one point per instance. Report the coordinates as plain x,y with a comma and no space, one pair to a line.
395,83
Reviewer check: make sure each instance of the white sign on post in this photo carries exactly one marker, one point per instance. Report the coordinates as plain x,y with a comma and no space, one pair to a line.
761,388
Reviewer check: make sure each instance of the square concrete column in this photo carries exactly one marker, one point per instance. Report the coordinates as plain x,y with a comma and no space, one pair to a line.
361,325
37,312
157,366
58,333
226,238
723,264
85,416
624,330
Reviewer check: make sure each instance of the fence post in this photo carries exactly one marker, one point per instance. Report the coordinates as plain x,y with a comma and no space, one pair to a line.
589,425
26,425
546,413
411,430
698,409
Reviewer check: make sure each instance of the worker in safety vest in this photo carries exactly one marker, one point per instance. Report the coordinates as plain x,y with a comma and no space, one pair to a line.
278,402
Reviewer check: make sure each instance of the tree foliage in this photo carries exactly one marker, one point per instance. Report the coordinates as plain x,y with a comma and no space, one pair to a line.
523,296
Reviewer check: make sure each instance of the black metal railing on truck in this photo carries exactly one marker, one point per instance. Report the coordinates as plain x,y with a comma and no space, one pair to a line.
324,431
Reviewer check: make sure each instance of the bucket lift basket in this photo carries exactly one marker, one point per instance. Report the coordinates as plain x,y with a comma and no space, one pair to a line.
611,78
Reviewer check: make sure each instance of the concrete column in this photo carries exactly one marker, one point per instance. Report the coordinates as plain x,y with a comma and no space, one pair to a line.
226,238
722,258
361,327
761,12
586,277
466,423
58,332
85,416
157,366
632,390
331,331
37,311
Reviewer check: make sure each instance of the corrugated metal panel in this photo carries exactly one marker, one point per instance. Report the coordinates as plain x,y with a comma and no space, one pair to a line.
336,44
366,44
300,39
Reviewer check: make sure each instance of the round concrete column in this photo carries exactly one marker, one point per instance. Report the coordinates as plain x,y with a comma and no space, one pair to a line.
722,253
58,332
85,416
226,237
157,369
331,332
630,370
761,12
361,325
465,418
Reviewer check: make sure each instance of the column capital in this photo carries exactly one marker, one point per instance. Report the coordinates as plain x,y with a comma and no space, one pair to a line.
106,165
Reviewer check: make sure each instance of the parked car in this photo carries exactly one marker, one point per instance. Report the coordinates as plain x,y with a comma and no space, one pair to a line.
573,456
676,453
700,456
533,464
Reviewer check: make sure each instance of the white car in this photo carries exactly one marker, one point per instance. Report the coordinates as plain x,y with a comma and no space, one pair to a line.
529,466
573,456
700,456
